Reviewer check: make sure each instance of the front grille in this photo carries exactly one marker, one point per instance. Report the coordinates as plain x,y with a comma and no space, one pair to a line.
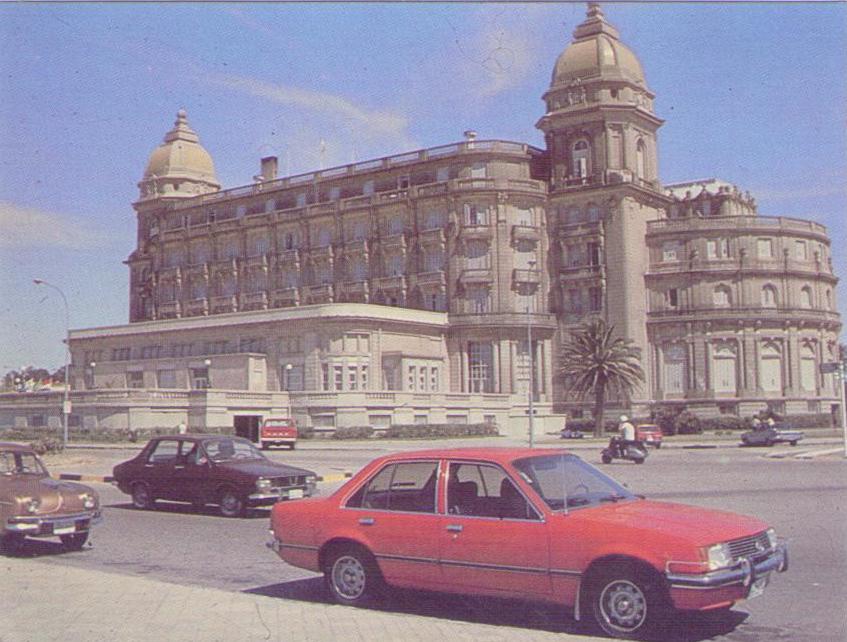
286,482
749,546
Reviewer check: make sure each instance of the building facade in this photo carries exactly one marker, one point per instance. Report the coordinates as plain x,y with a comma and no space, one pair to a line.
438,285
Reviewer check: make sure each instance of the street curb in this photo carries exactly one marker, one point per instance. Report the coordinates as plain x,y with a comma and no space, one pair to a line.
106,479
818,453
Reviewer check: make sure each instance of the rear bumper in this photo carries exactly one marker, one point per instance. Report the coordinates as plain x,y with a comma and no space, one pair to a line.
50,525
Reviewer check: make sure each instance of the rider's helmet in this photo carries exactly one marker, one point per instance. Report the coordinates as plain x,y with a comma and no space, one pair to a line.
624,418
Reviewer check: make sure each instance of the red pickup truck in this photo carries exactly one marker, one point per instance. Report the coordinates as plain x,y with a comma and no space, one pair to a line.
278,431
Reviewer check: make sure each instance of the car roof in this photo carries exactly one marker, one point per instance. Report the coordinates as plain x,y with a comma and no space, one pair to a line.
497,454
8,445
196,437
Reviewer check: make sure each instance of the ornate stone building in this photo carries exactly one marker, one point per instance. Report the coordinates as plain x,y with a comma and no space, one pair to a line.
403,289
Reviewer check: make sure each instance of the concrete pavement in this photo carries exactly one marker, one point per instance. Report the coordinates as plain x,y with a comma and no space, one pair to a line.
46,601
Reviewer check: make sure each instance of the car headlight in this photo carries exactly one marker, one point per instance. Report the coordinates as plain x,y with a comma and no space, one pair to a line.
311,479
88,501
263,484
32,505
719,556
771,533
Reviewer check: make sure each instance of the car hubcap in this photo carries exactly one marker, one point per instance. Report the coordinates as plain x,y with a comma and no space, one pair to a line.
348,577
141,496
623,605
230,503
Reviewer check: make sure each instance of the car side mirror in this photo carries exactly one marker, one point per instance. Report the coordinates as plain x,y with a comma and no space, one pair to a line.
202,461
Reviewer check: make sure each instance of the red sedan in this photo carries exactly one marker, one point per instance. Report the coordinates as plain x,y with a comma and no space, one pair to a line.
535,524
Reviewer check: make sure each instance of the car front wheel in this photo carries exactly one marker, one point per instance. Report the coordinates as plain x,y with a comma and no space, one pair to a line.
141,497
626,603
75,541
231,503
352,576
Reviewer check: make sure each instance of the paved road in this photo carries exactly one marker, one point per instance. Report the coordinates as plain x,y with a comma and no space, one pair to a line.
804,500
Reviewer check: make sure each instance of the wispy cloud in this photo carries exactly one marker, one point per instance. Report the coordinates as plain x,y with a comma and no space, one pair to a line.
374,122
22,227
247,20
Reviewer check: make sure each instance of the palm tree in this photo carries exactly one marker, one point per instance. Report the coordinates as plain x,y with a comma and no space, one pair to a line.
594,361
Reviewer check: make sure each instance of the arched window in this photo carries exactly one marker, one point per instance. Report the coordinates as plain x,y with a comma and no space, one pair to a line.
770,367
828,299
640,159
806,297
722,296
769,296
724,367
581,156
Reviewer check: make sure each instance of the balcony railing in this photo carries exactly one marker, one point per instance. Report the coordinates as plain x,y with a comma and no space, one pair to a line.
254,300
476,275
432,238
170,310
285,297
356,246
471,231
578,272
752,312
393,241
197,307
225,303
754,224
431,279
325,253
323,293
256,262
288,257
526,276
526,233
388,283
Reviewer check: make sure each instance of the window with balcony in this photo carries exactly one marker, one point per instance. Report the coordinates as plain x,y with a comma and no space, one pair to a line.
722,296
230,248
671,251
174,257
288,279
200,378
258,246
717,248
475,214
434,220
251,344
166,378
477,255
524,216
395,265
395,226
290,240
433,261
358,231
167,292
674,362
135,379
478,299
323,273
580,157
436,301
480,367
257,281
199,253
358,270
198,288
593,251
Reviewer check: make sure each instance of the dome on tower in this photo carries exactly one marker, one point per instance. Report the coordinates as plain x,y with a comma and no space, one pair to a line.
180,166
597,52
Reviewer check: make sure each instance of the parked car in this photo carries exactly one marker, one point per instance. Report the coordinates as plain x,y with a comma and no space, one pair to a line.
278,431
210,469
525,523
32,504
571,433
650,434
769,435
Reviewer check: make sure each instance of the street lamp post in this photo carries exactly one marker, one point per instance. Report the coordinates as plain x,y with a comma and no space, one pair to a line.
842,371
530,409
66,403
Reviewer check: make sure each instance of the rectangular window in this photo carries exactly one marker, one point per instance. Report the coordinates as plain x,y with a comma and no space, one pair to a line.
671,251
325,376
800,252
442,174
368,188
593,254
575,301
352,378
338,377
595,299
411,377
120,354
433,379
478,298
422,382
478,170
765,248
200,378
166,378
37,421
135,379
480,367
673,298
475,214
151,352
364,374
421,420
301,200
181,349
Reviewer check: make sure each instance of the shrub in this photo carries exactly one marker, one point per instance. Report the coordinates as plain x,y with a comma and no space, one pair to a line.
725,423
353,432
583,425
687,423
665,417
434,431
47,445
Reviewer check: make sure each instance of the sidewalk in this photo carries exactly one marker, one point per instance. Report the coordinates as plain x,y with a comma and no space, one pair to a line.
48,601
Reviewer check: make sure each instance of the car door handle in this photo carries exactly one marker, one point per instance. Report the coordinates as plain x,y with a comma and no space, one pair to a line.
178,467
454,528
366,521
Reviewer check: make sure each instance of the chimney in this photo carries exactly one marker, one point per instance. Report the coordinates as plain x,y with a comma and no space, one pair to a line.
269,168
470,135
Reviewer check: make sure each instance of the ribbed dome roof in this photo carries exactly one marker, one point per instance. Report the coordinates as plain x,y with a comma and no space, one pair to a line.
597,52
181,155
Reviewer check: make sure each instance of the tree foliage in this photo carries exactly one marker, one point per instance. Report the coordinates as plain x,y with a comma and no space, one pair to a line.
596,362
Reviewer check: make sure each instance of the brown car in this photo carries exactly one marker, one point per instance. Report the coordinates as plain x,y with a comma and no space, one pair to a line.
210,469
35,505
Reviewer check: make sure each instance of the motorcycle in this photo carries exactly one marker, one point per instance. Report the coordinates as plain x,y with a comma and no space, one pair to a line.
632,451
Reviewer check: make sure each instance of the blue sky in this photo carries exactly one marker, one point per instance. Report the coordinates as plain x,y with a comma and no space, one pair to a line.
755,94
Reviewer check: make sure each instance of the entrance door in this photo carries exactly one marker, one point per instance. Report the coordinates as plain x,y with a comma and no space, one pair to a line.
247,426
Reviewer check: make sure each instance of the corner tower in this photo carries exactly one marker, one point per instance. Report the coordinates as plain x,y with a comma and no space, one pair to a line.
178,169
600,133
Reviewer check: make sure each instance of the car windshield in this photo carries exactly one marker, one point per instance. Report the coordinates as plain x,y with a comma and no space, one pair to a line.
565,482
18,463
231,449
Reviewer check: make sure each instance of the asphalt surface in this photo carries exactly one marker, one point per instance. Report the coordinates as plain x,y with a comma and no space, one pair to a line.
175,546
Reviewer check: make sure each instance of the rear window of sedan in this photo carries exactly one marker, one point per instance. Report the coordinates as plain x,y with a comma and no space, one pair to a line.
404,487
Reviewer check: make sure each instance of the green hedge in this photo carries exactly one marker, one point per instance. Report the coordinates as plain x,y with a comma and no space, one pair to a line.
430,431
353,432
47,445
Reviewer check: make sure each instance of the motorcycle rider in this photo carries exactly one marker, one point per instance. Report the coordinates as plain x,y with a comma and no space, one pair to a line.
627,434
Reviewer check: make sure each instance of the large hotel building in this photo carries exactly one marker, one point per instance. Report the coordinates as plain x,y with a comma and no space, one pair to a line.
403,289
